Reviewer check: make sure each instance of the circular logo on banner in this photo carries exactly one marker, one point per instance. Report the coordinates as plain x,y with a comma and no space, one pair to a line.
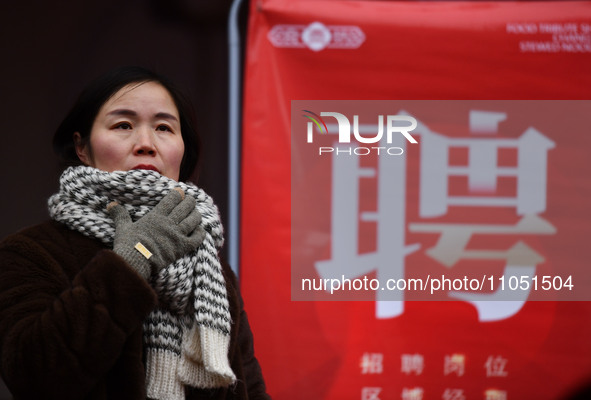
316,36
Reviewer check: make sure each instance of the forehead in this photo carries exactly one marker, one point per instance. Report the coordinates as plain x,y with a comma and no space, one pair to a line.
141,96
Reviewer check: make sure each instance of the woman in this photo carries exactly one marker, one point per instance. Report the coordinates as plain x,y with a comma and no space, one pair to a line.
122,294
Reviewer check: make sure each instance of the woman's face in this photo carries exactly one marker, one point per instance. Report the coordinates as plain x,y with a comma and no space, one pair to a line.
137,128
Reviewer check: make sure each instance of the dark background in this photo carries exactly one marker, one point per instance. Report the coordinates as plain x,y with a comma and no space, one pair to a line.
51,50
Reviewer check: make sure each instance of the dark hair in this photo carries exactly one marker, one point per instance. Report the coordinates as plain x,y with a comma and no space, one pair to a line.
82,115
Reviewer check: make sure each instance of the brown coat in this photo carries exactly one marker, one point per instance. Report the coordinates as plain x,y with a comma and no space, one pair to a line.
71,315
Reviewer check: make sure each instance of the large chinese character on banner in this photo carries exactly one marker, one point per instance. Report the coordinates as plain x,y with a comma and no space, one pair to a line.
501,178
490,205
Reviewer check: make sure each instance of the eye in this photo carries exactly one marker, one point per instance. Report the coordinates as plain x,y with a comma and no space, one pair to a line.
123,125
163,128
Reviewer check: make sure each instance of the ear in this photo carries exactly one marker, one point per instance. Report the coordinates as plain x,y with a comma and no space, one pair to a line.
82,149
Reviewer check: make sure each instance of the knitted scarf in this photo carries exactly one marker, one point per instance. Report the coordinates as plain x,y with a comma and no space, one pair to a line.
186,339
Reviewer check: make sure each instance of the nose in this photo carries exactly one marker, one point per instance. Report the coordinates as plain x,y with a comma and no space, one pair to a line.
144,144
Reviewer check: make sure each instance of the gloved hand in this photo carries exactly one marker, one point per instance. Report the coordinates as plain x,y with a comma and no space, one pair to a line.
166,233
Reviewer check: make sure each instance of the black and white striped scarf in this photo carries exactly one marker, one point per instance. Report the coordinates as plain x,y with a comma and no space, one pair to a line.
187,342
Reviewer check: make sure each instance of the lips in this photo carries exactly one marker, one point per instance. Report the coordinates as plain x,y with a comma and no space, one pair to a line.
146,166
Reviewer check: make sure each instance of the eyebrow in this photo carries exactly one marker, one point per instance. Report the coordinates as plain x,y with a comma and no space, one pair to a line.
131,113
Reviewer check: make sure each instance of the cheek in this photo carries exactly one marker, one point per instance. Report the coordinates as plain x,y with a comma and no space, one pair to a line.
107,154
175,153
180,154
174,158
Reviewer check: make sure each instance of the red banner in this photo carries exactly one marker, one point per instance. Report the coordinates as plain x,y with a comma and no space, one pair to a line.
456,215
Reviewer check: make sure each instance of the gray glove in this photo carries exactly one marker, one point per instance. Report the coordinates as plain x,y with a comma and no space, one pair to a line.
168,232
